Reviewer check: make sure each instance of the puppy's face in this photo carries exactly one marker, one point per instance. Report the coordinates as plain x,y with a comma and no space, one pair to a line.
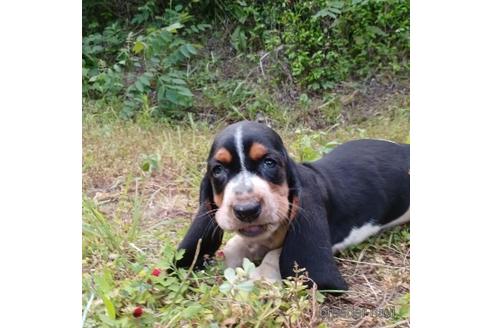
247,167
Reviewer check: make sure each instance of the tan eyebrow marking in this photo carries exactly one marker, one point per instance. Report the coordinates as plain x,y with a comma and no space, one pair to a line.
223,155
257,151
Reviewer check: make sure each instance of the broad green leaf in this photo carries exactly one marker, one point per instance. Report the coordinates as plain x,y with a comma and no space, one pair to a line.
192,311
179,254
104,282
109,322
248,266
329,147
138,47
144,79
323,13
173,27
238,39
184,51
183,91
377,30
109,306
246,286
190,49
225,287
337,4
404,306
230,274
172,96
178,81
96,49
146,167
139,86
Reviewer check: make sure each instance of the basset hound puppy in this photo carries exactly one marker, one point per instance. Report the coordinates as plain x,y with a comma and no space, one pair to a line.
283,212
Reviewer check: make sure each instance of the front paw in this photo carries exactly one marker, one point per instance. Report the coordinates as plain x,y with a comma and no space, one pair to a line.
266,273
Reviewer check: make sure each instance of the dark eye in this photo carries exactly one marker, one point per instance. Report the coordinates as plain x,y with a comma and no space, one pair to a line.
270,163
218,170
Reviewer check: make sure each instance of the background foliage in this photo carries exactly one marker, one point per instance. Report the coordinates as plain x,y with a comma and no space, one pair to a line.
149,56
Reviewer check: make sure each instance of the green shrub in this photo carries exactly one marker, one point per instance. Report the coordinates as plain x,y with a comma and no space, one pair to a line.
144,68
325,42
143,54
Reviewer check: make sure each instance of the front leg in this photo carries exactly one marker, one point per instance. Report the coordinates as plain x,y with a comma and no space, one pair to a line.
238,248
308,245
269,268
235,250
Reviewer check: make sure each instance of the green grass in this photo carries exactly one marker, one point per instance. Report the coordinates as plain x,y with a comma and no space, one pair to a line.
140,185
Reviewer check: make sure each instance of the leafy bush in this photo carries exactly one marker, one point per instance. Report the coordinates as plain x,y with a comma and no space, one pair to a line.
144,68
324,41
144,54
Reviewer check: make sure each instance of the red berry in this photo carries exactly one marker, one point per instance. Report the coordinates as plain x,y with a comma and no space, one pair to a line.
138,312
219,255
156,272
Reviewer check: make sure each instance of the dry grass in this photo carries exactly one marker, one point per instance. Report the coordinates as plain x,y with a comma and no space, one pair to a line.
377,271
378,274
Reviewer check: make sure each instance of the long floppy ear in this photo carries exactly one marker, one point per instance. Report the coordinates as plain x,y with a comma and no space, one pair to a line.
293,183
308,244
203,227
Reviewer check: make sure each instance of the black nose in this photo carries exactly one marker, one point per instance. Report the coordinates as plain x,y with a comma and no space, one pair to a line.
247,212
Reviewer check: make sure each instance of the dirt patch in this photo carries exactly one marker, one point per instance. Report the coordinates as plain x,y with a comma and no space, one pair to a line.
372,98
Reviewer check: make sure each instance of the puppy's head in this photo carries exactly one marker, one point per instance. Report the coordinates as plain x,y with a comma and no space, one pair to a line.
250,174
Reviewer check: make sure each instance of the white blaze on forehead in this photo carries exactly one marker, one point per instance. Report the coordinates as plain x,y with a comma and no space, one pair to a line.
242,183
238,138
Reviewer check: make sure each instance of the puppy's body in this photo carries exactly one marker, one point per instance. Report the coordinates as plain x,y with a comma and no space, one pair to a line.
364,184
286,213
